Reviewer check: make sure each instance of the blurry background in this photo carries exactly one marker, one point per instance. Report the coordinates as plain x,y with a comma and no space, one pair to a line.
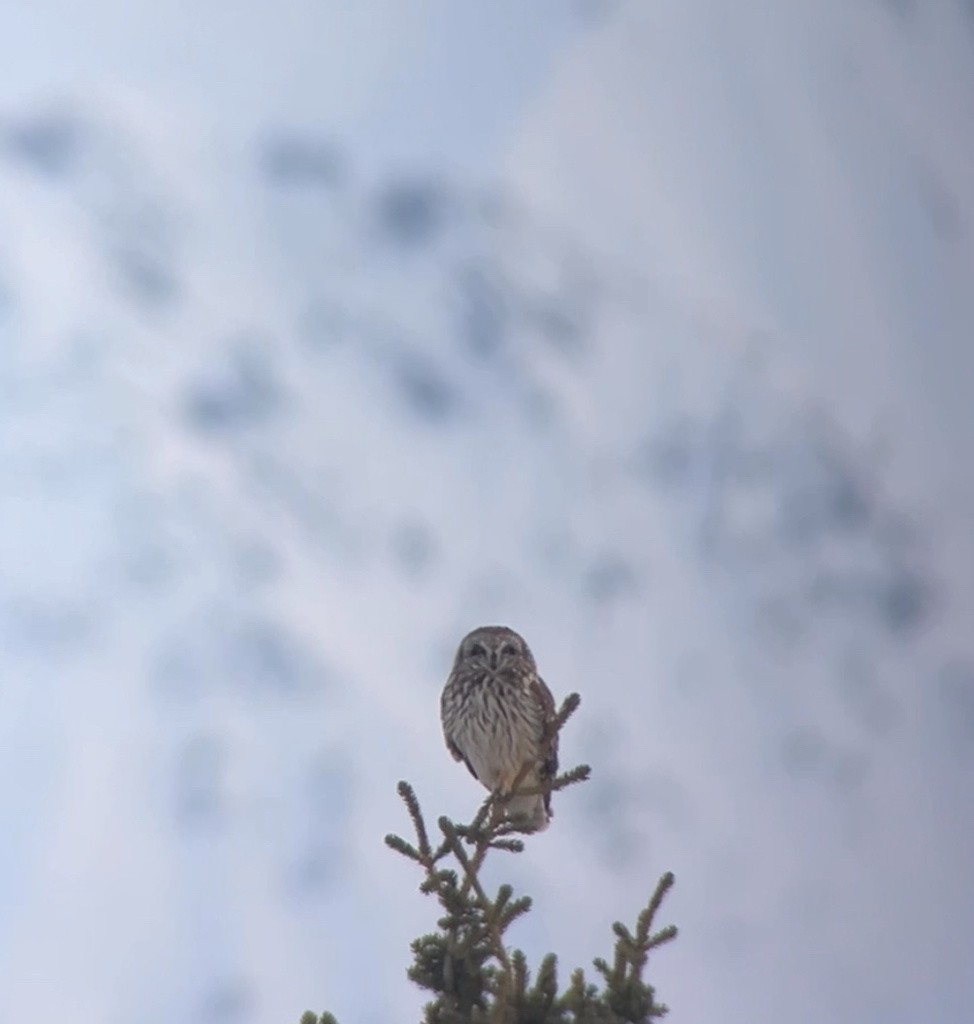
329,331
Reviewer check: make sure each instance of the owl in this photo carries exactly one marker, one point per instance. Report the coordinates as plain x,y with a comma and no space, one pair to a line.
498,716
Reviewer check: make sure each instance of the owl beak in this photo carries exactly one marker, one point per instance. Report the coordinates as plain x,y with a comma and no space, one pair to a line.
493,659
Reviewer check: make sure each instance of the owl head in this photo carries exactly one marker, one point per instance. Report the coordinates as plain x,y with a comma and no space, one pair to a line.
495,648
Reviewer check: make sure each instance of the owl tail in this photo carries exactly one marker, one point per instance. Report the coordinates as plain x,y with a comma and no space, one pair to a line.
528,812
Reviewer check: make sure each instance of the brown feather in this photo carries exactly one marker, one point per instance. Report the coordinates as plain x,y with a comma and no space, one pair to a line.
498,716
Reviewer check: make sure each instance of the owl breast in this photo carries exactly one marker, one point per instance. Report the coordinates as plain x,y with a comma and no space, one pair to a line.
496,725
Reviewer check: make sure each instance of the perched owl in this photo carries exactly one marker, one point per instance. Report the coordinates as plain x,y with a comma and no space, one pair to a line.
498,715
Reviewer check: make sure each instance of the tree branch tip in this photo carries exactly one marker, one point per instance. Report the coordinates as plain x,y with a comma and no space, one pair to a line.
667,934
663,886
580,773
451,836
409,798
568,707
511,845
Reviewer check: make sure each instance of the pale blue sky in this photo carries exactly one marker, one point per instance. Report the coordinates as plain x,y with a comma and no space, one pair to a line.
427,80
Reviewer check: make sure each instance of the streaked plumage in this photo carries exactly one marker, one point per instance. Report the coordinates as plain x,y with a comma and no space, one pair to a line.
497,716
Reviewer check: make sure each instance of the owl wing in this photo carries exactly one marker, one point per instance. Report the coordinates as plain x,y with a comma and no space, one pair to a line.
549,738
458,755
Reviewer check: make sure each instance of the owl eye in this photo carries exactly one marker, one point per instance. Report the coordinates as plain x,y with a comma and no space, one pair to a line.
476,650
510,650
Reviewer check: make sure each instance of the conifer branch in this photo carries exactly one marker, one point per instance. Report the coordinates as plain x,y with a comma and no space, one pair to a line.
473,977
568,708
